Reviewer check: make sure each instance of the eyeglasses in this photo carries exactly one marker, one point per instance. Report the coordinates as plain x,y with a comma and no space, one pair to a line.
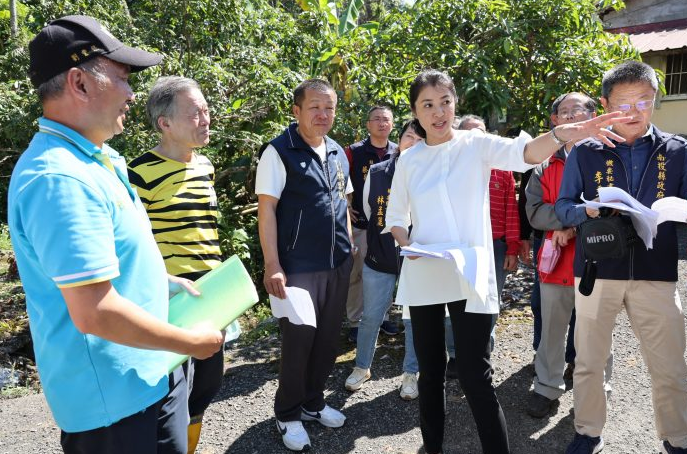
573,113
639,105
379,120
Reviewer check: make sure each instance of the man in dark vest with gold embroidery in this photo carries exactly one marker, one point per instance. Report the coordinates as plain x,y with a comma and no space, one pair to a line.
361,156
649,164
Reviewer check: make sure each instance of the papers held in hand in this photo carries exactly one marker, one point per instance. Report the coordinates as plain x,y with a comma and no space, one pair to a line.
297,307
645,220
467,261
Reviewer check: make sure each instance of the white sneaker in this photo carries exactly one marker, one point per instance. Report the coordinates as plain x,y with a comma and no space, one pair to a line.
359,376
328,417
293,435
409,386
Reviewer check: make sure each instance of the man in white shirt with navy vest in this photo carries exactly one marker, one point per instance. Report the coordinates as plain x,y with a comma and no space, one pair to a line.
302,182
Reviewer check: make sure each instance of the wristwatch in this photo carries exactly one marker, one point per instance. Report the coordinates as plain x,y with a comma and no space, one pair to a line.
560,142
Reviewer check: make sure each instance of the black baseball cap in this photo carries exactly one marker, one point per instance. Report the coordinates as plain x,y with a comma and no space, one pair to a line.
72,40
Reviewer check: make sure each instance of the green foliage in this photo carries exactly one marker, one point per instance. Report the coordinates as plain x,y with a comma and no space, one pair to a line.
5,243
504,55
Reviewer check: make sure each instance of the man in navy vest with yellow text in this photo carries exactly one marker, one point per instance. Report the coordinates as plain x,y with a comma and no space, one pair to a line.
361,156
648,164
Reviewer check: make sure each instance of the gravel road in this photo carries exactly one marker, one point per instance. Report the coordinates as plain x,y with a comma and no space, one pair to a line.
240,420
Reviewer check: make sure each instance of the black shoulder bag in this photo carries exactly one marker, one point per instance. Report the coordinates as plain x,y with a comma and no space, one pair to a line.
605,237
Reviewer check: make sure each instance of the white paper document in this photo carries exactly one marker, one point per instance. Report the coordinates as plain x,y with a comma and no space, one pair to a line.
297,307
645,220
467,260
670,209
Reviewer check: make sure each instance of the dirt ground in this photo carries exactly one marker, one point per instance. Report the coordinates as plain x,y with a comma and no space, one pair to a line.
241,421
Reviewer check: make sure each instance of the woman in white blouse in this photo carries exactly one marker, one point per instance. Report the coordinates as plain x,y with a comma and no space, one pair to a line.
443,183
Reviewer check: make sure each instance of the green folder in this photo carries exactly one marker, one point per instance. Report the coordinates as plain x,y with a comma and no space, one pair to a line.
226,293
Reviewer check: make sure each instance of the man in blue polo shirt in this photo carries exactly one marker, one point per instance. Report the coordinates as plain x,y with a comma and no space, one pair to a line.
96,286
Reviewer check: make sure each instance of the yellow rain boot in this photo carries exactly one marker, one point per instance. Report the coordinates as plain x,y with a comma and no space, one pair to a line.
194,434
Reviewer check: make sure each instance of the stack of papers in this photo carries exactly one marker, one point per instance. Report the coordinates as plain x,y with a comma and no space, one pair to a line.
645,220
467,261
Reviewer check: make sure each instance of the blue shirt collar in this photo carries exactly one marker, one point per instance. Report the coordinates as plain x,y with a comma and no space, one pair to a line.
88,148
80,142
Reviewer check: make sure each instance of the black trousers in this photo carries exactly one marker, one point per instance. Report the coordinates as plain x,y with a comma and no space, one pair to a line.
160,428
308,353
471,333
204,378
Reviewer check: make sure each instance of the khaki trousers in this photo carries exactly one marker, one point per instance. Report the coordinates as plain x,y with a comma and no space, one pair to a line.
655,314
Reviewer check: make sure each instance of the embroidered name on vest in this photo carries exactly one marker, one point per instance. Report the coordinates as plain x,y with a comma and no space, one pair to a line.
661,180
340,181
382,203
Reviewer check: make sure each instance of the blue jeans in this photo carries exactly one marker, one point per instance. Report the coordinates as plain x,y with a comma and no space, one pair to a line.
410,364
448,336
378,291
535,299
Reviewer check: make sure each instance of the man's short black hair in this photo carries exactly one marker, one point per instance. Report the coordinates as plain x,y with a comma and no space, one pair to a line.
319,85
379,107
589,104
628,72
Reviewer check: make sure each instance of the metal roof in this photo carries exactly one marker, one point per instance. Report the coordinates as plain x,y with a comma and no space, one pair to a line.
660,40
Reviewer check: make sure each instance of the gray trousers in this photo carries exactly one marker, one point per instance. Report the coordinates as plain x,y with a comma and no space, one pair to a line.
557,304
308,353
354,299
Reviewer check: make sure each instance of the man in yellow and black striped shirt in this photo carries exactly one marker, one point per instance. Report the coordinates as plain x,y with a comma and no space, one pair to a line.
175,185
181,204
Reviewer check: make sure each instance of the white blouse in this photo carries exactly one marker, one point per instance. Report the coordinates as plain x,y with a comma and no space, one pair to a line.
445,189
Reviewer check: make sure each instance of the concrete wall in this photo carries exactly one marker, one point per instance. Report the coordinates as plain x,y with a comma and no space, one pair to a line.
638,12
670,114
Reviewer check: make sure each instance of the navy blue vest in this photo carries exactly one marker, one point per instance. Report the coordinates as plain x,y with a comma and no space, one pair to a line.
382,253
662,177
312,231
364,155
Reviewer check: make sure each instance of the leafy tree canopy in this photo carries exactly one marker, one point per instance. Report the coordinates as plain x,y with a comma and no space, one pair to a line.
509,58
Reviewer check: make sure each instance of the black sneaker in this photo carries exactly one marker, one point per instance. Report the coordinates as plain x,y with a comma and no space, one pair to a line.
667,448
389,328
539,406
452,369
584,444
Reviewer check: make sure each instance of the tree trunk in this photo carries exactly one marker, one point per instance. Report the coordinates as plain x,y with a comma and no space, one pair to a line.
13,18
